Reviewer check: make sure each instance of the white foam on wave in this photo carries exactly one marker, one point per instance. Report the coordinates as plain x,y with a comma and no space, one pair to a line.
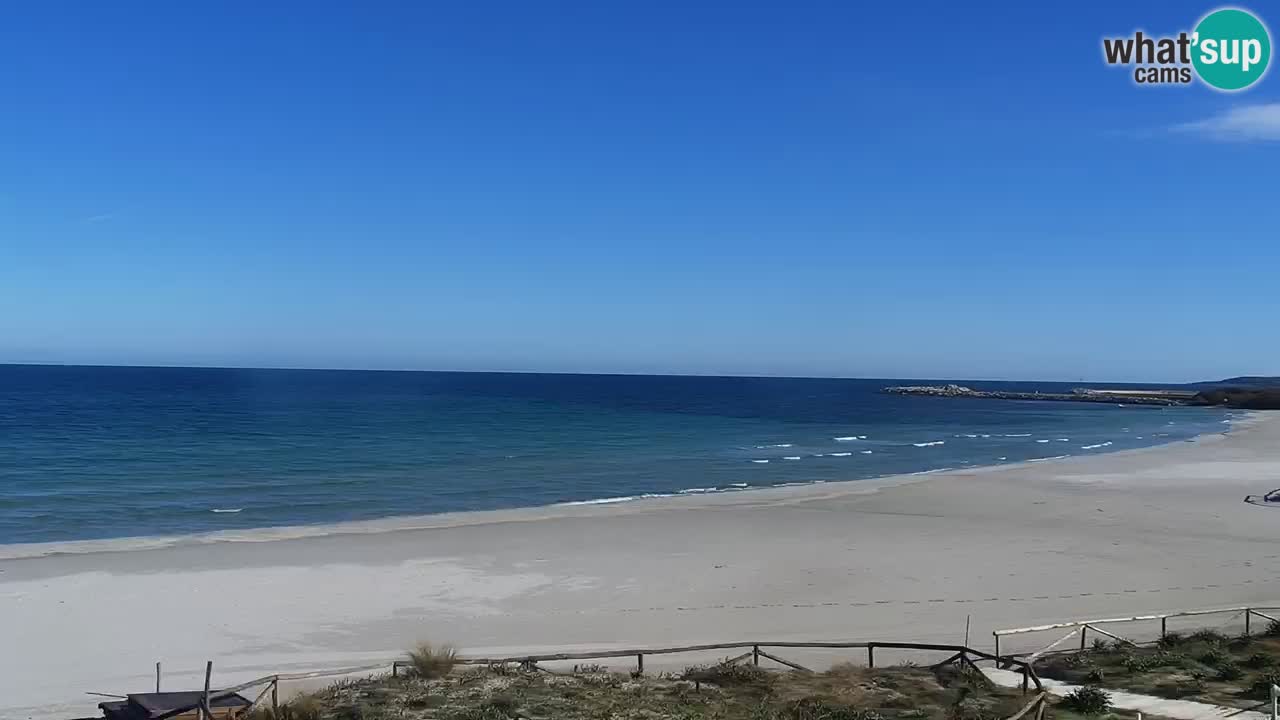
1055,457
930,472
227,510
1018,435
1095,447
738,485
930,444
603,501
866,452
848,438
1002,458
760,461
841,454
1042,441
965,435
791,457
779,445
1064,439
697,491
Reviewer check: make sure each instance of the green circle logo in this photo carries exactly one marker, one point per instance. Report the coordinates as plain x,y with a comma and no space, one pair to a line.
1231,49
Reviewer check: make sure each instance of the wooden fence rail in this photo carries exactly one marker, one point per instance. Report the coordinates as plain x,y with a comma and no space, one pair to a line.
753,650
1084,626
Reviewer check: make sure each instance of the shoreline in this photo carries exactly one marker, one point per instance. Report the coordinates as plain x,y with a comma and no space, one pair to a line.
429,521
906,558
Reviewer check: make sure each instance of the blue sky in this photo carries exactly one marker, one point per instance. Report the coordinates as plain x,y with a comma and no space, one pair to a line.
801,188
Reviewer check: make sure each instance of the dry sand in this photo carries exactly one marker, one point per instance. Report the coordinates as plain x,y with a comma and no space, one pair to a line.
896,559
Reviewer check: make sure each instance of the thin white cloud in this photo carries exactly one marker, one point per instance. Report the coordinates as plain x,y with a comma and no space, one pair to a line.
1248,123
99,218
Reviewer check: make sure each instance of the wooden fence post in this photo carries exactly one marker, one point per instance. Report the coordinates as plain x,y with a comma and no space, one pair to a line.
640,664
871,655
157,677
207,713
1247,613
275,697
1164,626
997,649
755,655
1083,629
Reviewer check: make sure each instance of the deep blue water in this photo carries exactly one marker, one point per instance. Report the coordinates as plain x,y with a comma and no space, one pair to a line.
95,452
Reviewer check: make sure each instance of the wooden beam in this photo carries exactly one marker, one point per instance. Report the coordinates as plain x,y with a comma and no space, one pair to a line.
208,675
1113,636
1028,707
1134,618
788,663
1035,655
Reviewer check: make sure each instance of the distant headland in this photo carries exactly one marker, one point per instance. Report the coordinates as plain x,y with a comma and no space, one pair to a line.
1251,392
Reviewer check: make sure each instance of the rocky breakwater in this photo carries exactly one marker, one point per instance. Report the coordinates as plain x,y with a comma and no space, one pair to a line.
1131,397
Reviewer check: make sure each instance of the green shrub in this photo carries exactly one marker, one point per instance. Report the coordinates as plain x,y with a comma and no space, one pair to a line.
1261,687
1258,661
429,662
1212,637
1171,640
1100,645
1167,657
1096,675
1214,657
728,674
504,703
1139,663
1229,671
816,709
1088,700
1273,629
302,707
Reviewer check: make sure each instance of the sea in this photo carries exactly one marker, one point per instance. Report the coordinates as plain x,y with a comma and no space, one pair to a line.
111,452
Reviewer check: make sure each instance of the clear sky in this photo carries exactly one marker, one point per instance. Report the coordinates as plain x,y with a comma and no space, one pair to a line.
802,188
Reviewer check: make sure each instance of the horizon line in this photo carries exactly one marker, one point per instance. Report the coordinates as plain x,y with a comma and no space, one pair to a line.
583,374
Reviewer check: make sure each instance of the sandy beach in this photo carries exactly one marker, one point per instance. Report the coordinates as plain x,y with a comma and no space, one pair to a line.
903,558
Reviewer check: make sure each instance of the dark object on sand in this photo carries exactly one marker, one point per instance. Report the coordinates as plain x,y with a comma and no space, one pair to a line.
144,706
1272,498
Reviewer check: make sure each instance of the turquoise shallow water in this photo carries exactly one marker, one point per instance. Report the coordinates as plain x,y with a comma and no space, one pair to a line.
88,452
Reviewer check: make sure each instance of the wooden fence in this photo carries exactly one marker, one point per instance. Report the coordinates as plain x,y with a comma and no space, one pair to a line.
755,650
1084,626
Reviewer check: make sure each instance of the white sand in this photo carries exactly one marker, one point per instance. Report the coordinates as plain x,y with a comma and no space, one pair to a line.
899,559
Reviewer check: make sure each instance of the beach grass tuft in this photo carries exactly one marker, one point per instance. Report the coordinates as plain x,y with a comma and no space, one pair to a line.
430,662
